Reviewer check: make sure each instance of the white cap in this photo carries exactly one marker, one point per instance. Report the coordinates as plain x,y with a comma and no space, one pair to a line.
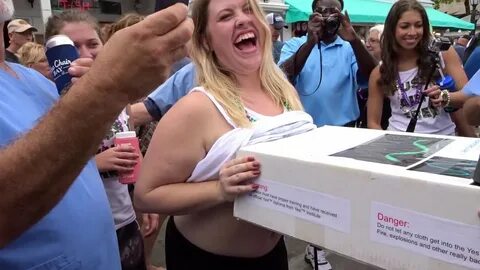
126,134
276,20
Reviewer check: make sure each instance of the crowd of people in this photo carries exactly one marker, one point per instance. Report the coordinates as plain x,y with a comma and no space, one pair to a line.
195,89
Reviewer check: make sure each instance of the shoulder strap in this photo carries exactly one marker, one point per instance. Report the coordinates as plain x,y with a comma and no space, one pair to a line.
217,105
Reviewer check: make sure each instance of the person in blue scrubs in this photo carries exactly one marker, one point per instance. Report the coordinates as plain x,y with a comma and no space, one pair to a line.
163,97
55,214
323,65
323,68
472,64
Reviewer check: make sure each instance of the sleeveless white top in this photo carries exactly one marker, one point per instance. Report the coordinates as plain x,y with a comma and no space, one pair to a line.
404,103
264,129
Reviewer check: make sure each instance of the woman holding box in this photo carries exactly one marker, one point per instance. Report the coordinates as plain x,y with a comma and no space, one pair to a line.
190,172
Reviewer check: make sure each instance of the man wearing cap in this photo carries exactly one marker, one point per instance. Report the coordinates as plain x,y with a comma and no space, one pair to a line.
19,33
276,23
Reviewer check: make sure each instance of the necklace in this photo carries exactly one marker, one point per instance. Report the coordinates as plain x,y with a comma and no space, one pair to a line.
251,118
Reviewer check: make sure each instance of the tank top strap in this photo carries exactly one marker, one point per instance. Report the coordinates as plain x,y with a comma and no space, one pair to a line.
217,105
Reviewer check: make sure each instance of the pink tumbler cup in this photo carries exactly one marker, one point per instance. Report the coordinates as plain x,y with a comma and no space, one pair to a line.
129,138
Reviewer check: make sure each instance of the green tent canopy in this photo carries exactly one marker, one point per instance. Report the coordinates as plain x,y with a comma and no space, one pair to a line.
371,12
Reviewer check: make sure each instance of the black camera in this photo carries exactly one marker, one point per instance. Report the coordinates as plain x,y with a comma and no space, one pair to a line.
332,23
439,44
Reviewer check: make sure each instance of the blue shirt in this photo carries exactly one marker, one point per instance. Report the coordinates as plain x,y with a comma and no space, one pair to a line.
78,233
472,65
277,50
335,101
177,86
472,88
460,51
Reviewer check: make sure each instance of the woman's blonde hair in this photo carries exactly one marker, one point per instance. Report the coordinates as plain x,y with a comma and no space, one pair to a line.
31,53
221,83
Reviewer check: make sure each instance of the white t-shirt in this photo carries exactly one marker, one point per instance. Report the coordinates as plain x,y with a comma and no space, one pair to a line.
404,103
117,193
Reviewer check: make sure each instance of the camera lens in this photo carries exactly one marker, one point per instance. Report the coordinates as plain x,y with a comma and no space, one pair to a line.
331,24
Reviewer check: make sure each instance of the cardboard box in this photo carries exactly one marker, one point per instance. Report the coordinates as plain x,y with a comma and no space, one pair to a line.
394,200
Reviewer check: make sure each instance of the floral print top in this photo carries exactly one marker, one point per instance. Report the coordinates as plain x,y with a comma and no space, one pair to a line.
120,125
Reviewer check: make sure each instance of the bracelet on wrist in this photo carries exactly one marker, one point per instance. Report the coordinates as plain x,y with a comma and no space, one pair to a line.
446,98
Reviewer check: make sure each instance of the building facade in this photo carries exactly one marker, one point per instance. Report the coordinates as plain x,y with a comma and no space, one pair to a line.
36,12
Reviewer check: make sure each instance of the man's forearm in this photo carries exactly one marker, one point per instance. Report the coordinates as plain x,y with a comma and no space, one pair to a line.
40,166
366,62
294,65
471,110
463,128
140,114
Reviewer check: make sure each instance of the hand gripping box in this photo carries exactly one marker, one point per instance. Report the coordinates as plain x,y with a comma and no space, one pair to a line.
394,200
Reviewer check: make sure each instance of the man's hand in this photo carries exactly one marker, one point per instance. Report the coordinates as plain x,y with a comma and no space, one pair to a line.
346,31
315,28
79,67
138,58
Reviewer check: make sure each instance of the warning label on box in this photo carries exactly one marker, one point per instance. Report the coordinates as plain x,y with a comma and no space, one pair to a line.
438,238
320,208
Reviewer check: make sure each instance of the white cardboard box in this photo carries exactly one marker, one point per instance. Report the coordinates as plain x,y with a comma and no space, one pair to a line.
382,214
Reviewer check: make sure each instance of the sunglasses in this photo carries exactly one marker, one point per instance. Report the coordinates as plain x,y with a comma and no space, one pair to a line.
325,10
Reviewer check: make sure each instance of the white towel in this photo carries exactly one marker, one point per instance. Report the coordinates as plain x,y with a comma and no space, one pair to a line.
265,129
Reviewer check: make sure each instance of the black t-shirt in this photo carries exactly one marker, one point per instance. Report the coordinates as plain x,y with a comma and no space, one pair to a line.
11,57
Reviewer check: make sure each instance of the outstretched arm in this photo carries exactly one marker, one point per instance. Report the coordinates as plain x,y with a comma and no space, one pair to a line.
366,62
294,65
40,166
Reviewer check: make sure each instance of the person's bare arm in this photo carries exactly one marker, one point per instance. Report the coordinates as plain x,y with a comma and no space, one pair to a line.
471,109
294,65
40,166
139,114
172,156
375,101
453,67
365,61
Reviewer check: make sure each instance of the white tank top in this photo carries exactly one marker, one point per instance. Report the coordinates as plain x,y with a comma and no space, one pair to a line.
404,103
264,129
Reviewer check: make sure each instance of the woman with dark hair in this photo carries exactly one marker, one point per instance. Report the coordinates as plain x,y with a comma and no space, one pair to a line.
406,65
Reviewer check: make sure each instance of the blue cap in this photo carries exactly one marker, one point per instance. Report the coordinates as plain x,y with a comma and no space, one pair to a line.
446,82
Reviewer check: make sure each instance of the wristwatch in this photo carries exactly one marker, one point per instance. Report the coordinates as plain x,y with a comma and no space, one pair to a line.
445,95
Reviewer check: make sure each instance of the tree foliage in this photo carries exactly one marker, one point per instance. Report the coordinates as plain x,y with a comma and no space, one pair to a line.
436,3
466,3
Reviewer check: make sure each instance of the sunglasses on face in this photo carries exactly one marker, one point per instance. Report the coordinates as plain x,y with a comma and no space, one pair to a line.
325,10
